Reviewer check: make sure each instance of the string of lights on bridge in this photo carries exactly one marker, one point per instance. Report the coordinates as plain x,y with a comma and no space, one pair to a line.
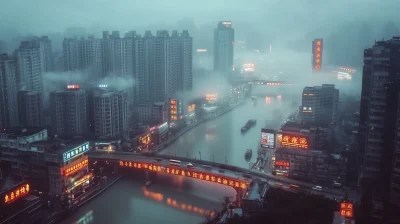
235,183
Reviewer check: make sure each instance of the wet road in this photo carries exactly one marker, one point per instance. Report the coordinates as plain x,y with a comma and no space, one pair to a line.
227,144
170,199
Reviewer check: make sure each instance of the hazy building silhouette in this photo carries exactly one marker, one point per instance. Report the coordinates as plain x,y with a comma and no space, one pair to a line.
47,53
30,106
320,104
30,58
69,111
8,93
379,141
224,39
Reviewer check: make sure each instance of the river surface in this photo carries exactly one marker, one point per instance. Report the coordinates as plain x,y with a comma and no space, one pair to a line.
175,199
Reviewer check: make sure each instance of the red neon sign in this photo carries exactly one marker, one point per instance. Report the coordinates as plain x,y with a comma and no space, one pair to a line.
186,173
346,209
294,141
16,193
76,168
73,87
317,54
282,163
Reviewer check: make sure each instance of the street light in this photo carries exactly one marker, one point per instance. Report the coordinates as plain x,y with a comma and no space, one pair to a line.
200,154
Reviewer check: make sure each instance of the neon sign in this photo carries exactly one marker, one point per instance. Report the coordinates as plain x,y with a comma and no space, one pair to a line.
76,151
294,141
186,173
173,109
211,97
191,108
103,86
282,163
267,138
317,54
201,50
346,209
16,193
227,23
73,87
75,168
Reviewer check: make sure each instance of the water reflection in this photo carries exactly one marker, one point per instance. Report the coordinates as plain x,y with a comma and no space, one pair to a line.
86,219
159,197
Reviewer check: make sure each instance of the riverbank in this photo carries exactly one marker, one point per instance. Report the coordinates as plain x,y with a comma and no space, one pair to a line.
57,217
182,132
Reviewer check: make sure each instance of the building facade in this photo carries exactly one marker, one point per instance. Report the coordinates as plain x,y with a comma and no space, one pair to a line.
320,104
110,112
8,93
153,112
224,40
30,56
69,111
30,106
378,148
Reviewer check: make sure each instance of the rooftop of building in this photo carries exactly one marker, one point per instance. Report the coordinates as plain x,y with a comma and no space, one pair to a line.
22,131
256,191
58,146
8,183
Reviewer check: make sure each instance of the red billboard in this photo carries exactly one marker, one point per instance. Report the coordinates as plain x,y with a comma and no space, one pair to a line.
294,141
346,209
317,54
282,163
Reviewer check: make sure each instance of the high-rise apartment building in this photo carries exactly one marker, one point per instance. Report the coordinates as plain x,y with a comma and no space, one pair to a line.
82,54
30,106
379,144
47,53
110,112
8,93
319,104
69,111
30,56
163,65
224,39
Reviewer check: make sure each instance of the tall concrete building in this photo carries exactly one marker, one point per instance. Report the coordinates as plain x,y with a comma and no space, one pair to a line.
319,104
110,112
163,65
224,39
82,55
379,141
69,111
30,65
47,53
30,106
8,93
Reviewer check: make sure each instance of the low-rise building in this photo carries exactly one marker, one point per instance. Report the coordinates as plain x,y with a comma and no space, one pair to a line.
253,198
310,164
153,112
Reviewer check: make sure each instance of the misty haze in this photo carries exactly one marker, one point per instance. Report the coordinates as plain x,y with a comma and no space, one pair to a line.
261,111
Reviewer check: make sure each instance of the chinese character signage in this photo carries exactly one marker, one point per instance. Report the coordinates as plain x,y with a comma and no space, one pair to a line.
346,209
282,163
73,87
76,151
191,108
294,141
268,138
173,108
75,168
16,193
317,54
186,173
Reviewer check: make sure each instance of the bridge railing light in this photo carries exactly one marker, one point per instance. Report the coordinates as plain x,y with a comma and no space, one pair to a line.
186,173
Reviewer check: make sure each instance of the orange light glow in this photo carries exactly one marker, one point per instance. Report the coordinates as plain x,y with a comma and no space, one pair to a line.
317,52
294,141
159,197
211,97
16,193
346,209
76,168
282,163
187,173
146,139
191,108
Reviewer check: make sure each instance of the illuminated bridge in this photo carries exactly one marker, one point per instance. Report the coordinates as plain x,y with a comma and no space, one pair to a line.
236,177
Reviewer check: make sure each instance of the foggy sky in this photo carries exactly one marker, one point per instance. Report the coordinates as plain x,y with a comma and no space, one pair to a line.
278,16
